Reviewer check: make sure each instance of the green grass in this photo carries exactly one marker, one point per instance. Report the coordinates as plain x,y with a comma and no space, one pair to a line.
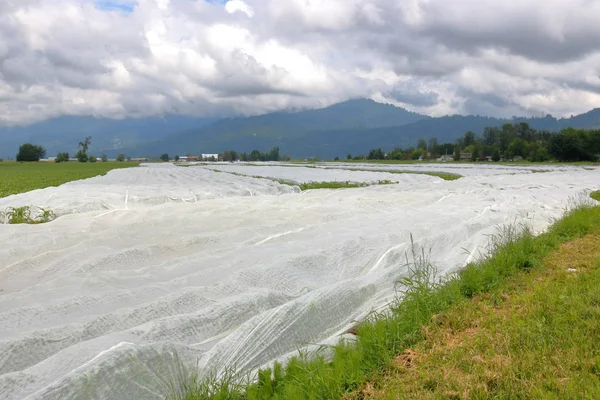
595,195
534,337
23,177
382,337
340,185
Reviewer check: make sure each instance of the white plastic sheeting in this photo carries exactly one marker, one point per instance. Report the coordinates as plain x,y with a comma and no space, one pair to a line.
155,271
303,174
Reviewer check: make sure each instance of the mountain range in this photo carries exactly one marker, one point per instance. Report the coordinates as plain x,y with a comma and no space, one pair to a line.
354,127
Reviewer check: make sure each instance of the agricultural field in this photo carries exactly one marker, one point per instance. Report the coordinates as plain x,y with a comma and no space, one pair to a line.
22,177
151,277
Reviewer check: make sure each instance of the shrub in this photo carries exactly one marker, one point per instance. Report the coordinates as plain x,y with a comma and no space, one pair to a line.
81,156
92,159
62,157
121,157
104,158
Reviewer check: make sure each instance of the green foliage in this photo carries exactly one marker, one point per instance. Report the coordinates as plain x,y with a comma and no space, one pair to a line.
92,159
376,154
381,337
22,215
104,158
82,157
23,177
415,155
164,157
456,155
62,157
83,148
595,195
176,157
30,152
496,155
121,157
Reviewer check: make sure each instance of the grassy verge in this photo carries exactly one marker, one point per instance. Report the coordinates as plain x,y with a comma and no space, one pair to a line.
380,339
23,177
595,195
535,337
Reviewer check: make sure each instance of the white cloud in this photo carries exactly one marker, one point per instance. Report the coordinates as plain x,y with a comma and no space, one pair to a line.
233,6
253,56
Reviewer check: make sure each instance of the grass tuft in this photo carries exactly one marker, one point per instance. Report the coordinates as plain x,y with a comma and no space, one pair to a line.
22,215
595,195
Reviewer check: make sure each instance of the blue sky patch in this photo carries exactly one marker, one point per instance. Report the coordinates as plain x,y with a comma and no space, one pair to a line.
125,6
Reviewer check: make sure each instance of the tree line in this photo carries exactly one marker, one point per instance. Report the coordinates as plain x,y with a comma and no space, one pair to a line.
32,152
512,141
254,155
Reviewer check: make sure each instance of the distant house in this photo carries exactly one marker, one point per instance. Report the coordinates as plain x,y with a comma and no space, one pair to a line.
207,157
188,158
140,159
466,156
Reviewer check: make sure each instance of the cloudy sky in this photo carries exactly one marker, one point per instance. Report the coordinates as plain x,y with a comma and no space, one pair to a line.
121,58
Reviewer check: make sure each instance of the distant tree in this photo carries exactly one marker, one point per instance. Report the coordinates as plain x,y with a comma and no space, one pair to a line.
433,143
475,154
226,156
83,148
496,155
255,155
518,147
176,157
376,154
234,155
422,144
491,135
121,157
456,156
128,158
349,156
104,158
566,146
469,138
336,158
164,157
92,159
273,154
62,157
415,155
30,152
81,156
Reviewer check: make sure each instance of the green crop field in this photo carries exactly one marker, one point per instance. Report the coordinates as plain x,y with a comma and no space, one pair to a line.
23,177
